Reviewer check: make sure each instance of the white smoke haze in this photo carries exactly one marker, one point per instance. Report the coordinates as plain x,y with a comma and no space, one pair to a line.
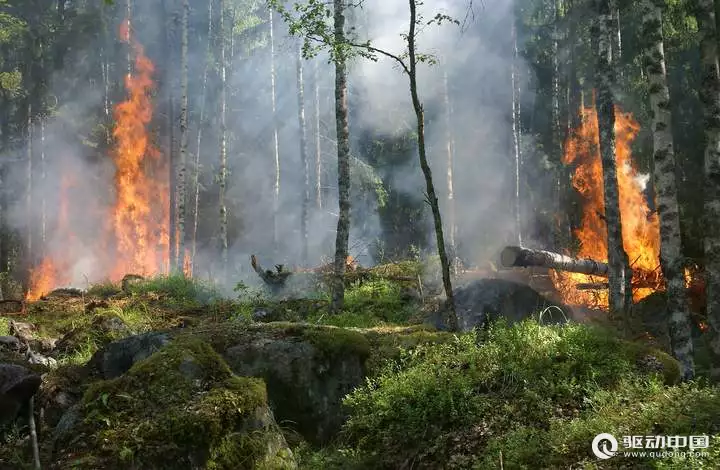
477,62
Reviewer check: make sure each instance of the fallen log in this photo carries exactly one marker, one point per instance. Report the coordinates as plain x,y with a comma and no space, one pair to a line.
516,256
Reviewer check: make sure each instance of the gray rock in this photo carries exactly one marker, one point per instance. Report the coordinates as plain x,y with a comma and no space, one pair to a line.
118,357
38,359
305,387
17,386
10,343
486,300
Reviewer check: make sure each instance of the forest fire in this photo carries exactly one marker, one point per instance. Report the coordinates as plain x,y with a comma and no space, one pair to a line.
641,233
136,238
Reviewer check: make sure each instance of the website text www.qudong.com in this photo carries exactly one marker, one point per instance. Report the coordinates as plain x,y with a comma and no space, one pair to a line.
664,454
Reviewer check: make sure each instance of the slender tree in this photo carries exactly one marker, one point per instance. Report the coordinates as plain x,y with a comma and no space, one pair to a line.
343,151
303,158
275,142
710,99
450,149
181,184
222,180
198,148
620,275
169,25
516,133
671,259
318,146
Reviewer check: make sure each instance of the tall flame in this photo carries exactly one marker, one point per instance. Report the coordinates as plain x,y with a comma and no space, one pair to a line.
138,216
137,240
640,227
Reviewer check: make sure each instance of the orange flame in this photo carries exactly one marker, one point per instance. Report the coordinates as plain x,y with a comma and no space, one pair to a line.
137,231
640,227
52,270
138,216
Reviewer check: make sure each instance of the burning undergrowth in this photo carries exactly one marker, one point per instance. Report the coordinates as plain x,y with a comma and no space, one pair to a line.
134,235
640,226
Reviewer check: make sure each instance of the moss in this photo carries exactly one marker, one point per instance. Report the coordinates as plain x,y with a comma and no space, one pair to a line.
169,411
670,366
389,344
333,342
4,326
104,290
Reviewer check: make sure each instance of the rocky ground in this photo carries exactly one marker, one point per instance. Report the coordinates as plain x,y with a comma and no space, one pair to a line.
165,374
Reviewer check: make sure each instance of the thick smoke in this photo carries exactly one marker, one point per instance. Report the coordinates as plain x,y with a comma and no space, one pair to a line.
476,60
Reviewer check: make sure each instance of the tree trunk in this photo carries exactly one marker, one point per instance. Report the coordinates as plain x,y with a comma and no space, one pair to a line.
318,148
616,37
276,146
671,259
516,256
516,134
43,183
450,148
343,152
303,159
620,295
430,187
170,123
559,214
182,164
222,180
29,187
196,169
710,99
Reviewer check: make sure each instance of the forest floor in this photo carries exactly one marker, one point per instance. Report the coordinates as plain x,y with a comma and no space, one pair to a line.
168,374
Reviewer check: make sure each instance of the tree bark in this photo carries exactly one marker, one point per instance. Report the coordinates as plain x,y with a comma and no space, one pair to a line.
516,135
303,159
318,147
450,149
276,146
222,180
516,256
182,164
616,37
431,196
170,123
43,183
343,152
201,121
29,187
620,295
671,259
710,99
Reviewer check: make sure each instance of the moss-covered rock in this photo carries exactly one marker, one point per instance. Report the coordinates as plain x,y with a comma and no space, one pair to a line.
103,329
179,408
308,370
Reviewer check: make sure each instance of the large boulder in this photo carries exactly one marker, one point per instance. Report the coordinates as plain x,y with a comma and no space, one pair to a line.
308,370
118,357
485,300
179,408
17,386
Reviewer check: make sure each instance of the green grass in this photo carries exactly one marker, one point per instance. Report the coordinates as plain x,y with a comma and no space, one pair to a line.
178,289
514,389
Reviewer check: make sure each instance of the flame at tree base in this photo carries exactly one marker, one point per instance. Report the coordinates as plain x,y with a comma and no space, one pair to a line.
135,238
640,226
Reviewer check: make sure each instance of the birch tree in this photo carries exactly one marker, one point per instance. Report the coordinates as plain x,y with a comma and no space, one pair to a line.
303,159
516,133
312,27
198,147
275,143
710,99
222,180
182,164
620,275
671,259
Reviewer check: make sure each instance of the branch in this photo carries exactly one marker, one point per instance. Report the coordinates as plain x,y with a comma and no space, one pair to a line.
370,48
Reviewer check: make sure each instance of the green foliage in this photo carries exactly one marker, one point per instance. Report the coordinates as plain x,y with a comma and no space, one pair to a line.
169,410
525,375
104,289
177,288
